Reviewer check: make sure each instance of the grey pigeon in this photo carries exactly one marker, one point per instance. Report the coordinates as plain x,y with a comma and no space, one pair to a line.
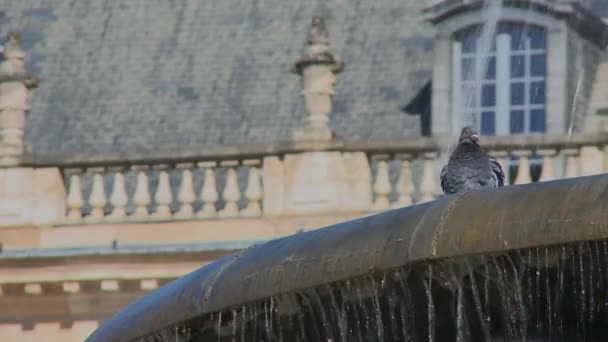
470,167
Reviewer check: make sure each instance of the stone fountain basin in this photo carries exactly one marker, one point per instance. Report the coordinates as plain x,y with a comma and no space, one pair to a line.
476,222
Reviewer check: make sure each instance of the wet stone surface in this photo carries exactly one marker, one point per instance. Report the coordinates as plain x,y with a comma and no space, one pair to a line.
557,293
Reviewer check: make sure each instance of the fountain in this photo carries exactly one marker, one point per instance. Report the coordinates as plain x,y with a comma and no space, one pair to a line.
526,262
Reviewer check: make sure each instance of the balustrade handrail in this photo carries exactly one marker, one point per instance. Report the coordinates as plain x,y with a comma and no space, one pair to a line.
412,145
228,181
490,143
173,156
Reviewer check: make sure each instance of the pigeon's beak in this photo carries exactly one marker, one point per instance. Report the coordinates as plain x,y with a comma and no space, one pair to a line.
475,137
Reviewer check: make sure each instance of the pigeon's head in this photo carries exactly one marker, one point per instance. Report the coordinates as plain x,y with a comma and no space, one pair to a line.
469,136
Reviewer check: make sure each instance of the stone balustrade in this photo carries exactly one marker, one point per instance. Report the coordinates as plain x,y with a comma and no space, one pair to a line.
164,191
524,159
227,182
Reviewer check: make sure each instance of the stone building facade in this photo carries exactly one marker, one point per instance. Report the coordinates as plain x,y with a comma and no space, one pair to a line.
144,139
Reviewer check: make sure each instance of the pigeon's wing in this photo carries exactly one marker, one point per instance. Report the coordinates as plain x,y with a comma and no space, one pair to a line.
443,177
497,170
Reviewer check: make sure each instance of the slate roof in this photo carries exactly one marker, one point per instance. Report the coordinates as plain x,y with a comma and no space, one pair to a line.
142,74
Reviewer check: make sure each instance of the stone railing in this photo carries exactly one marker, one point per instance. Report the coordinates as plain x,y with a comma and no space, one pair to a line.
228,181
524,159
164,191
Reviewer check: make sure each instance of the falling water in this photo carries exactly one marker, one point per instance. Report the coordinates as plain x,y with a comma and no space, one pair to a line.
377,309
460,328
562,266
548,296
591,285
541,294
219,326
431,305
575,99
582,289
244,320
539,325
339,313
491,14
483,317
234,325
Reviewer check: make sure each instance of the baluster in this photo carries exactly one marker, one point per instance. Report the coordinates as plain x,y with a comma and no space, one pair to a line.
209,193
405,185
428,186
163,196
186,194
572,162
141,198
119,198
74,201
523,169
97,199
231,193
253,193
548,166
502,159
382,184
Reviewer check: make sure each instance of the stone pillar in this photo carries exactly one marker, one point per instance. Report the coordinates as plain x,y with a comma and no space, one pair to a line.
442,106
318,67
14,88
31,196
28,196
326,182
316,181
557,100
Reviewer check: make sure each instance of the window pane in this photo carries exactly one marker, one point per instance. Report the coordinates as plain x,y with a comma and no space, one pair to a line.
488,126
469,41
517,66
537,92
469,98
537,120
493,47
488,95
517,93
490,68
517,121
538,66
537,37
468,65
518,39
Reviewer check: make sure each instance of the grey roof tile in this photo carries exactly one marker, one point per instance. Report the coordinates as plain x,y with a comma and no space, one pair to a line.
118,75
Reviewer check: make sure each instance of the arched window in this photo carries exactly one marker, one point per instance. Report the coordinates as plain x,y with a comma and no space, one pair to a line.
499,79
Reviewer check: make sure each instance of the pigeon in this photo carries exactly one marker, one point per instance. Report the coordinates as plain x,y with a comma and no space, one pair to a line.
470,167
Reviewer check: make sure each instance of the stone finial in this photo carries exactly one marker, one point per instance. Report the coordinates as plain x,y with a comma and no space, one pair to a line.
12,47
318,67
15,83
13,66
318,32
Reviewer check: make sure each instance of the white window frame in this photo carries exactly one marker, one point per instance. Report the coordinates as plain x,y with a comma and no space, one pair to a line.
502,82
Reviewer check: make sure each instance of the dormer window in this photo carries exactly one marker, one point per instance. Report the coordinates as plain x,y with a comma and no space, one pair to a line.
499,80
513,67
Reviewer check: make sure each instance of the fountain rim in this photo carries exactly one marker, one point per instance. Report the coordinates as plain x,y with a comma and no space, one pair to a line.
512,217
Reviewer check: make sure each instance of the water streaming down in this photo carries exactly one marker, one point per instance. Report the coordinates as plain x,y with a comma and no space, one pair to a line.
523,295
486,47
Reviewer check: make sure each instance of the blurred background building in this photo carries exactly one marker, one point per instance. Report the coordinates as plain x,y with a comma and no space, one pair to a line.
144,139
